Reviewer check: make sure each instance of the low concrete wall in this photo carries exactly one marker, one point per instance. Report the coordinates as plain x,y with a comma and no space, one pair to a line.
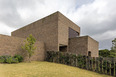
10,45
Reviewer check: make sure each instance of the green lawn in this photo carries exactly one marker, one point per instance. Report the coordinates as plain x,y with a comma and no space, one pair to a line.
44,69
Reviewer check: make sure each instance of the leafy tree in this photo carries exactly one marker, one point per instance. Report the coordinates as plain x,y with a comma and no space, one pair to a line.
29,45
104,53
107,53
113,45
112,54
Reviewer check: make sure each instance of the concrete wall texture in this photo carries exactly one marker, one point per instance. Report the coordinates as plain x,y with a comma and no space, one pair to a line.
63,29
82,45
13,45
53,30
45,30
52,34
93,46
78,45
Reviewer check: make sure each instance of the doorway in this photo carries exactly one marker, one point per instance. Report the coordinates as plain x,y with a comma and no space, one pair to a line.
89,53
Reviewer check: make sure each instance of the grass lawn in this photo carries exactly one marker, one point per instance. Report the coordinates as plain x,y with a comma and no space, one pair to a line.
44,69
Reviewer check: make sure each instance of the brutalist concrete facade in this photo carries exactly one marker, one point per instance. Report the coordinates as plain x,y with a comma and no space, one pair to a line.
53,30
58,33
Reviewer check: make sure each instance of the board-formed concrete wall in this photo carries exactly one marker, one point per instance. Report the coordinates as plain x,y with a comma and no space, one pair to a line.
45,30
78,45
52,30
93,47
63,29
82,45
10,45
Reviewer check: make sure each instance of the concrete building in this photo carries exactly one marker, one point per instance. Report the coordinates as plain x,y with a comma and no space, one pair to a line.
58,33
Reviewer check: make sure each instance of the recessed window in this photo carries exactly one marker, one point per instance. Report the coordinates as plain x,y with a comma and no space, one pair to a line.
73,33
63,48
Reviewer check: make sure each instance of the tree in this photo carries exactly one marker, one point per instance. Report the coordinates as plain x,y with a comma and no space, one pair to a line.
113,48
104,53
113,45
29,45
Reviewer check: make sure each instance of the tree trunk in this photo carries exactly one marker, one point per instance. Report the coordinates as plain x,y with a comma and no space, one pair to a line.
29,59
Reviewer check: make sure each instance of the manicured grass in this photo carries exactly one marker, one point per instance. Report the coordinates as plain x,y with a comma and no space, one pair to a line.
44,69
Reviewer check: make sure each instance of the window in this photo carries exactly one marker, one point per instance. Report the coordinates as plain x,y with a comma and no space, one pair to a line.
63,48
73,33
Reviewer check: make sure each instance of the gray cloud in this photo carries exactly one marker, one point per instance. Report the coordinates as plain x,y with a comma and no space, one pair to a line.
12,11
105,44
9,14
81,2
95,17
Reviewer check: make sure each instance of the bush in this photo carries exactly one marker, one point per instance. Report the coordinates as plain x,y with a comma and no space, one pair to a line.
5,58
2,60
105,65
15,60
19,57
81,61
10,59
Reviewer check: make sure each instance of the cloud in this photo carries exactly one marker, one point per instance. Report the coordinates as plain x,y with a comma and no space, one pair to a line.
105,39
99,17
4,29
16,14
95,17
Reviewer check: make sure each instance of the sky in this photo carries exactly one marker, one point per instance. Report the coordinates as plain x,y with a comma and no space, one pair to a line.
97,18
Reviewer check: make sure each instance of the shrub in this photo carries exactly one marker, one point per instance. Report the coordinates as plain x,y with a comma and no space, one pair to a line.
15,60
12,60
5,58
105,64
19,57
81,61
2,59
67,58
9,60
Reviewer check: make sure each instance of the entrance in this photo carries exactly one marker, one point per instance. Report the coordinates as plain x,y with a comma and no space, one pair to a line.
89,53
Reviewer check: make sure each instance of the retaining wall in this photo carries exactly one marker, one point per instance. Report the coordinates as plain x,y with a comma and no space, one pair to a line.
10,45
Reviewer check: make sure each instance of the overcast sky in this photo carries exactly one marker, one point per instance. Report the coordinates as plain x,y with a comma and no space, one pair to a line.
97,18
